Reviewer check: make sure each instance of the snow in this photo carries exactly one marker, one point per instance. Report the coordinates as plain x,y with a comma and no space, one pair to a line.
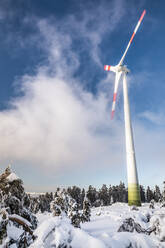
13,246
82,238
54,231
12,177
13,232
102,230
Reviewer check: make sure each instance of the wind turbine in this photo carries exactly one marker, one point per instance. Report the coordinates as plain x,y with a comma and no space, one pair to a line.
122,70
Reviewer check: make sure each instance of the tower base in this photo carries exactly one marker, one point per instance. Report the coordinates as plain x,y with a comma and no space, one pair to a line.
134,195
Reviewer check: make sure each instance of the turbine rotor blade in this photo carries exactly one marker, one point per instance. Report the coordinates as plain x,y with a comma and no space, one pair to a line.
110,68
107,67
117,78
134,32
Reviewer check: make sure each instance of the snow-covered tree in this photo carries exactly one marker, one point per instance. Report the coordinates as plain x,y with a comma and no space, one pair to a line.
122,192
92,194
44,202
163,193
115,193
73,213
157,194
14,205
34,204
82,197
86,210
104,195
64,205
3,226
75,193
142,193
59,205
149,194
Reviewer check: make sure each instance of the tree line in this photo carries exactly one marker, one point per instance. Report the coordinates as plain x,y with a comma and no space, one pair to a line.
103,196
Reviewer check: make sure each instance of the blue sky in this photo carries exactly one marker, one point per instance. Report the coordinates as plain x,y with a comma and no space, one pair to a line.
55,97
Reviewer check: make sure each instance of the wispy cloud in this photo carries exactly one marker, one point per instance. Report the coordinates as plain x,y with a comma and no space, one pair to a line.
97,22
155,118
57,124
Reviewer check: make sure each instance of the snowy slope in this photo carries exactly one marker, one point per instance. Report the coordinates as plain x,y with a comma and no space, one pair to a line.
102,230
106,221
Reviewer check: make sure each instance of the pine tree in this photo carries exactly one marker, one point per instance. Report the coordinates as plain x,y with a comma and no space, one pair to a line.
82,198
75,193
34,204
64,205
13,196
92,195
142,193
157,194
163,196
163,193
3,226
59,206
73,213
44,202
122,192
14,204
104,195
149,194
115,194
86,210
110,192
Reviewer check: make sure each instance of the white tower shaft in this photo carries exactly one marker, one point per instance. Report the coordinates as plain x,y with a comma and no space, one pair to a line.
133,184
119,69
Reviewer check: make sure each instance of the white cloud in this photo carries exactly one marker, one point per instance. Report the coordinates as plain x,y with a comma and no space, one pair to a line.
89,27
97,22
57,124
155,118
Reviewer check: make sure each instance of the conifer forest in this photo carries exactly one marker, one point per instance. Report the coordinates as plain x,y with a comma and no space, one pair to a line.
48,219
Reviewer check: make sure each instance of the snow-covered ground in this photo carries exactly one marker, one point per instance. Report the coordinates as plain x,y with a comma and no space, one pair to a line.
102,230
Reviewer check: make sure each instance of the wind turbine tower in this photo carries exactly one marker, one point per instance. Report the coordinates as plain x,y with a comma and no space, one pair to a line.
132,175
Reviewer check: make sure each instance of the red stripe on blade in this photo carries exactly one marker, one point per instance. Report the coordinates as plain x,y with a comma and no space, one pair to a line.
141,18
109,68
114,97
132,37
105,67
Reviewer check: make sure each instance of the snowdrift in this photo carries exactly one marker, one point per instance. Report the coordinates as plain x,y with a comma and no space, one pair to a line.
103,229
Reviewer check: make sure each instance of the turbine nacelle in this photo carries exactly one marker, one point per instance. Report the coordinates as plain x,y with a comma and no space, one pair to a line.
117,68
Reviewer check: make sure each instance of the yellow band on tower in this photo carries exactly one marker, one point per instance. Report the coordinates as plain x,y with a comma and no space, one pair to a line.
134,194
